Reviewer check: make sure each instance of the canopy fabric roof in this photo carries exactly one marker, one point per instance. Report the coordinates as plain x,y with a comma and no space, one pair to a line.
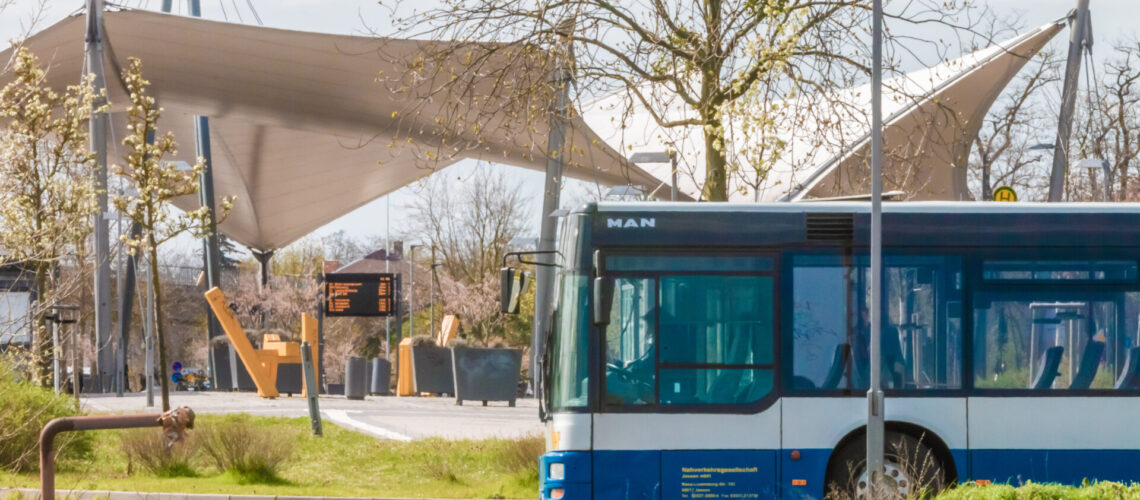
932,116
300,130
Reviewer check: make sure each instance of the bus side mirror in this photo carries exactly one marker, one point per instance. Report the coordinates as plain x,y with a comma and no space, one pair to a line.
513,284
603,292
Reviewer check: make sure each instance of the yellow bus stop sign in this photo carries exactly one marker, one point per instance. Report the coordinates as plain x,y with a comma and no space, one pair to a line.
1005,193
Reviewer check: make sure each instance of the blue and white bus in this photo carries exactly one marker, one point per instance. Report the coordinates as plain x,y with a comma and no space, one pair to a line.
719,351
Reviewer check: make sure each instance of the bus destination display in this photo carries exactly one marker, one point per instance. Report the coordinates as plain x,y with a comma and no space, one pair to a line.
359,294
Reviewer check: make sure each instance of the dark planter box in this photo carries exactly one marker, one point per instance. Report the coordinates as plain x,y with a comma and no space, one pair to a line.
355,378
486,374
336,389
222,365
289,378
381,376
431,370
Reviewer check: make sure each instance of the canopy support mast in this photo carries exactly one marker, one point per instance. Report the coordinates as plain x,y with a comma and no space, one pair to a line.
1078,38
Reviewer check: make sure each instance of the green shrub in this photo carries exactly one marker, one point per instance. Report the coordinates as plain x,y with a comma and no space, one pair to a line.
250,453
146,448
24,410
1040,491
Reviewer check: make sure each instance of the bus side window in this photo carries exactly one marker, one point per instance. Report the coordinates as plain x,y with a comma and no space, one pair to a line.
921,323
1066,341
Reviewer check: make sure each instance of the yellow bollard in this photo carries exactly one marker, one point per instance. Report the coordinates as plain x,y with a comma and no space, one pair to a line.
404,384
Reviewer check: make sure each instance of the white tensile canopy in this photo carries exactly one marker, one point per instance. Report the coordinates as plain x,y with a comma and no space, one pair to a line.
933,115
301,132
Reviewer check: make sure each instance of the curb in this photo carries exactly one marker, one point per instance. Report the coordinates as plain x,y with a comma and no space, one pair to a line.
138,495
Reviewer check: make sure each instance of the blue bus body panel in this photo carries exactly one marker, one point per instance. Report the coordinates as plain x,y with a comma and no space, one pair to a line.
627,475
578,474
718,474
1055,466
810,468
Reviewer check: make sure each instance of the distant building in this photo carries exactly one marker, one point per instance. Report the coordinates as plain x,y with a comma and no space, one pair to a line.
17,291
372,263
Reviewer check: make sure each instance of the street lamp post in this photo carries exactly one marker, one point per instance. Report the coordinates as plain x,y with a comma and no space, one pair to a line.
875,405
61,315
412,292
431,312
1093,164
660,157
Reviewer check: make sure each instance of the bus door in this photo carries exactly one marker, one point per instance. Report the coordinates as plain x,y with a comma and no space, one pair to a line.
1055,397
827,345
687,378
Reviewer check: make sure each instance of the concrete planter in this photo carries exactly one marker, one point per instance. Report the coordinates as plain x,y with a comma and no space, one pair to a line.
486,374
431,370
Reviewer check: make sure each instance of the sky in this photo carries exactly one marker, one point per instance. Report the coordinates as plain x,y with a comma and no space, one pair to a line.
1112,20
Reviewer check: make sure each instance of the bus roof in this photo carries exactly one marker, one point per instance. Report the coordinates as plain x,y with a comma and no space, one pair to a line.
940,207
1023,225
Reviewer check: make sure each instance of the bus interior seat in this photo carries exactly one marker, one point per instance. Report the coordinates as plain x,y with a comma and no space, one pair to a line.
1090,362
1049,366
1130,376
839,364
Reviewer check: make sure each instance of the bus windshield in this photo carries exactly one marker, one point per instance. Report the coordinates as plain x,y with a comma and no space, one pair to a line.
570,347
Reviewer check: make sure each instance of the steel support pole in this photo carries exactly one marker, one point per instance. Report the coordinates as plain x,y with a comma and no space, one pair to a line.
1077,38
56,350
673,189
1107,181
431,296
104,359
875,404
263,283
412,294
126,301
387,260
544,274
211,256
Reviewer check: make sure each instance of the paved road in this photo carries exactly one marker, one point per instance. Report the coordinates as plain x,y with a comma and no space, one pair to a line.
387,417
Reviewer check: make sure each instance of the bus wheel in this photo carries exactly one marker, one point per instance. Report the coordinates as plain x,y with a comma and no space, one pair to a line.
910,468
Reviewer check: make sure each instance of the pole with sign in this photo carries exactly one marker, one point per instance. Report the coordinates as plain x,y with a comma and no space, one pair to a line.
359,294
1005,193
875,405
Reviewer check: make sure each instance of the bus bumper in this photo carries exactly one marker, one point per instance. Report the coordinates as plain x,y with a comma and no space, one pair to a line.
564,475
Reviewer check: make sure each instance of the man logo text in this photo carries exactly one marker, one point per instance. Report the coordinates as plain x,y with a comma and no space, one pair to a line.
628,223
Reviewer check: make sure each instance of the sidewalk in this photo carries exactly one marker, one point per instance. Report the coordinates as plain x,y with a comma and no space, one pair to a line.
387,417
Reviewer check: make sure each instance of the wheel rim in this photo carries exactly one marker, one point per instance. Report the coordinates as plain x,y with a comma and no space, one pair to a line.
895,480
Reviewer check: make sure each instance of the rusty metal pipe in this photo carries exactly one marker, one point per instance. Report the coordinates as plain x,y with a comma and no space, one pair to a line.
88,423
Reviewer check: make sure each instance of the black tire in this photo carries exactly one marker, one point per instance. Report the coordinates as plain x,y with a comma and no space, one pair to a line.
903,453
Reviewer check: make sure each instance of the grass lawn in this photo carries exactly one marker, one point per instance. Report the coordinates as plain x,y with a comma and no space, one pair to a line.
341,463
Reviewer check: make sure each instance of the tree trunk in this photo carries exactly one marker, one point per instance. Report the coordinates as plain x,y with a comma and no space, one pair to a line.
44,350
987,189
157,305
716,179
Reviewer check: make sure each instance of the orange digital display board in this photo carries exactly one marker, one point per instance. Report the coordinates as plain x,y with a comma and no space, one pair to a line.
360,294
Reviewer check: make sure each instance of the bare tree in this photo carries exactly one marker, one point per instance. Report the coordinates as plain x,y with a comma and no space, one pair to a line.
1002,154
1109,126
470,222
682,63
